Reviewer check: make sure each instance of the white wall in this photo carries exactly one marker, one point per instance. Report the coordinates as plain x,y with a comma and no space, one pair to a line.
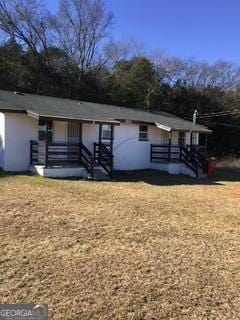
2,140
129,152
19,130
16,131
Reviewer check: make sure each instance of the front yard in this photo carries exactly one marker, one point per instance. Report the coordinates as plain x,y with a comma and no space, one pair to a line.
161,248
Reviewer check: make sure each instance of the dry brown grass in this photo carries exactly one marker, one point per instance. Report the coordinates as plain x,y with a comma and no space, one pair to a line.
229,163
121,250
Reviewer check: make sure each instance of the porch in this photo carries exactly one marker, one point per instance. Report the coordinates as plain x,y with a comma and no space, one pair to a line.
81,148
192,156
70,156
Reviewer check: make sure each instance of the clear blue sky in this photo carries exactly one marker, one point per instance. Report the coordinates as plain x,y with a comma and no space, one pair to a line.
204,29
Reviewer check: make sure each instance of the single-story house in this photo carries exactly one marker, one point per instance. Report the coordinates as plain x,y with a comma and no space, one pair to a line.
61,137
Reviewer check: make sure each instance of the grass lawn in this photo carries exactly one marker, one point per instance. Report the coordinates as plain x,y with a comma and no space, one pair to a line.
143,247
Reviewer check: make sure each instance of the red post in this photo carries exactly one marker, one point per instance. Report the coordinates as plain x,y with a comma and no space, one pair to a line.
212,165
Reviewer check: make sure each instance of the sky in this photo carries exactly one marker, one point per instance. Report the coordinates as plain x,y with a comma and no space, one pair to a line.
202,29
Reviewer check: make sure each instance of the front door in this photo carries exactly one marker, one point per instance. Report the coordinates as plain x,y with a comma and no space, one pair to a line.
73,139
74,131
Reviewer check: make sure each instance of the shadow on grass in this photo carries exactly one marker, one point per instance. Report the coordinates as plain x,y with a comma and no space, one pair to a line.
152,177
161,178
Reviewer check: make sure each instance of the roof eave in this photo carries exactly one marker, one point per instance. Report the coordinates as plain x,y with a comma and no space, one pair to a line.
70,118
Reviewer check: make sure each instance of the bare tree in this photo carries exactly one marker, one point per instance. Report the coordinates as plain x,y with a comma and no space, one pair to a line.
197,74
80,26
126,49
25,21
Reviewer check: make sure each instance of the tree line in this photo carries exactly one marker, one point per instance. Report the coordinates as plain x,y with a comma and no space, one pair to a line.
71,54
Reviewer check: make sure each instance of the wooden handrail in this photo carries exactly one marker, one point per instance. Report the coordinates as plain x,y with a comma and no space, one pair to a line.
164,152
175,153
202,161
86,158
105,159
188,158
55,153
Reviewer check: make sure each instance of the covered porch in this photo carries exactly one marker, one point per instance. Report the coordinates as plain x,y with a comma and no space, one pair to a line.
71,143
187,147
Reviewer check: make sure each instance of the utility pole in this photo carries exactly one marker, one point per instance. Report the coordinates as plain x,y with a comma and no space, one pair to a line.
195,117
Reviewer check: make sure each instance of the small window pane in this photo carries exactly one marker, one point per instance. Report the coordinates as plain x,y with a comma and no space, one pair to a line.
194,138
106,131
143,129
143,132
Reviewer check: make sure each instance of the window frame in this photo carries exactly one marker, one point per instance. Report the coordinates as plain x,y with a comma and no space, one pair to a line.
104,130
194,138
181,138
140,132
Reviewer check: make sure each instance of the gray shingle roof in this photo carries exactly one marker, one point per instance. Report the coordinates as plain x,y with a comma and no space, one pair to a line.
72,109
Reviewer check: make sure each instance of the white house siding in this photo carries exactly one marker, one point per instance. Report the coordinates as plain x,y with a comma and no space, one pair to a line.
2,140
19,130
129,152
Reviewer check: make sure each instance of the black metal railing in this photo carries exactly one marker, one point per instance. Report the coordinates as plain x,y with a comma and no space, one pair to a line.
61,153
191,156
86,159
165,153
201,159
188,158
96,149
105,159
34,158
200,149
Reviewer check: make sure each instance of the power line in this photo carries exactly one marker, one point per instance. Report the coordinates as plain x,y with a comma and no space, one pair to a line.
218,114
220,124
226,125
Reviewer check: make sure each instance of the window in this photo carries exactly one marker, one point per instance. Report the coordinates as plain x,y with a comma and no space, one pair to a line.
143,133
106,131
194,138
45,129
181,138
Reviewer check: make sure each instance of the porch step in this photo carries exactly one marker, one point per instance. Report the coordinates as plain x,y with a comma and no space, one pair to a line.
202,176
99,174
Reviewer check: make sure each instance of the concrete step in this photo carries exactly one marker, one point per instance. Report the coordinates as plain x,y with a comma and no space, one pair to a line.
202,176
100,173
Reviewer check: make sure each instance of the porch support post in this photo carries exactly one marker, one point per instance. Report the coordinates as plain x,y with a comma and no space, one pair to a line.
80,131
111,139
206,145
46,154
100,133
169,145
46,144
191,136
80,143
97,153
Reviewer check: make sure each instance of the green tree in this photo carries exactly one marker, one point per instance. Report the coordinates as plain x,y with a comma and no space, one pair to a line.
134,83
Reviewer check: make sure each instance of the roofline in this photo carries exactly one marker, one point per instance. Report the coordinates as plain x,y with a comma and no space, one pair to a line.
62,118
98,121
6,110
